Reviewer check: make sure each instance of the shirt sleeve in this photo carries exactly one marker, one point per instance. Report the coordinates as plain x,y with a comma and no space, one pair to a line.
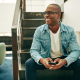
36,45
75,49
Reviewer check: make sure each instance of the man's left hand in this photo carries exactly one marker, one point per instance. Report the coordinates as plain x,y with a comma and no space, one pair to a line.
61,62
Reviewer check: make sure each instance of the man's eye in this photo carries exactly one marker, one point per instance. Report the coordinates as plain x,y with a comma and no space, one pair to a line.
49,12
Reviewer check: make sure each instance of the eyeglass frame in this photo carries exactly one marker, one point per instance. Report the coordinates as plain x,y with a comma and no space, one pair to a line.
51,12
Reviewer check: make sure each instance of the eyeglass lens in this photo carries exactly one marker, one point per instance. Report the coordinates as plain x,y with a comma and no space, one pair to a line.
49,12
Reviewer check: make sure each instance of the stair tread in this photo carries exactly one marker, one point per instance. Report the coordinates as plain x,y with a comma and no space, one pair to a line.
22,67
33,15
32,12
8,52
32,22
25,50
34,19
8,45
29,27
27,38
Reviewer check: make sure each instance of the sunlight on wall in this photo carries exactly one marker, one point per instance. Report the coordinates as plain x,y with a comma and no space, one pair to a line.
71,16
49,2
78,36
37,5
7,1
6,17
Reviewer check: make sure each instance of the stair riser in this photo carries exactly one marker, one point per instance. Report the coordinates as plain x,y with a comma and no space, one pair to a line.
50,74
7,40
32,15
27,42
8,48
36,15
28,32
32,23
26,46
24,57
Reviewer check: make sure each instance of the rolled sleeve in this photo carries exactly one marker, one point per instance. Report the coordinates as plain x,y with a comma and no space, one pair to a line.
72,57
75,49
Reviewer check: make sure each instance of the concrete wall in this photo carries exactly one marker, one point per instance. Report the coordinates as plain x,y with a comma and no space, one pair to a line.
37,5
6,17
40,5
71,16
59,2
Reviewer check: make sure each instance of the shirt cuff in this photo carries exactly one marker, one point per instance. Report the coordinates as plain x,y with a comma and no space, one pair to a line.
69,61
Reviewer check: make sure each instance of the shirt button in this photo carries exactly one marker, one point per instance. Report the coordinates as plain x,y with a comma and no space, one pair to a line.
44,41
65,42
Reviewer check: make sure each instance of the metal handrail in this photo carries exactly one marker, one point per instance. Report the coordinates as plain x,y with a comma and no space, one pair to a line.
16,36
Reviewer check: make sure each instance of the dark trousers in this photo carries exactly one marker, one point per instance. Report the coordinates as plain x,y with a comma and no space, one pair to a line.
31,66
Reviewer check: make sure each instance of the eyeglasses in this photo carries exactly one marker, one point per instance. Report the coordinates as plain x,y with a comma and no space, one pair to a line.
49,12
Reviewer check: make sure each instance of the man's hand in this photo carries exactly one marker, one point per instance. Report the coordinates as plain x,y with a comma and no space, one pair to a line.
61,62
45,61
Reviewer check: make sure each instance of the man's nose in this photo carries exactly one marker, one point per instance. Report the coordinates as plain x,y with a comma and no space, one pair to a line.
46,15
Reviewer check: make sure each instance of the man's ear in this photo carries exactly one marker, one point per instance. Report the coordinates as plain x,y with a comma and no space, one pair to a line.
59,15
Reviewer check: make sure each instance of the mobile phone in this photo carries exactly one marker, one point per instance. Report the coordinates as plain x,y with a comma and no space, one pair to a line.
52,63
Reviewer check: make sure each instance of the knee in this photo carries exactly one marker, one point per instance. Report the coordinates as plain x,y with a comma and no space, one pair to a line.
77,64
29,62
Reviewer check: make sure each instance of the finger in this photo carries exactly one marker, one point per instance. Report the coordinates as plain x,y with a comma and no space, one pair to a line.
51,68
59,65
50,60
46,62
56,60
54,68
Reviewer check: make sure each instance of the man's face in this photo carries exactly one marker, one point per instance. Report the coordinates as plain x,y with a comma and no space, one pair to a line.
53,18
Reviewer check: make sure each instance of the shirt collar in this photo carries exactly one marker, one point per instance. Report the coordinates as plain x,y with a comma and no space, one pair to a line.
62,28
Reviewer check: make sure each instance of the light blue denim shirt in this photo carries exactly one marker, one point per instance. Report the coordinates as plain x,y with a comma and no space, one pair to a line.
41,45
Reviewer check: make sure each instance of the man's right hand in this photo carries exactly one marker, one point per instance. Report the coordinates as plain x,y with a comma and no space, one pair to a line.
45,61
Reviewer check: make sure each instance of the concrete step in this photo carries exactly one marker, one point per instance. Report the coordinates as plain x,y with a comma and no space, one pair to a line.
6,39
8,47
28,31
32,22
48,74
25,55
8,52
26,46
8,42
26,42
37,15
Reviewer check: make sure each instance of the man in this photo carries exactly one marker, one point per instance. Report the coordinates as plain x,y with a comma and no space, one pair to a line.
50,44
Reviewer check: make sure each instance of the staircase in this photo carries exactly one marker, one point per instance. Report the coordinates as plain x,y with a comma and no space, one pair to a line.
29,24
